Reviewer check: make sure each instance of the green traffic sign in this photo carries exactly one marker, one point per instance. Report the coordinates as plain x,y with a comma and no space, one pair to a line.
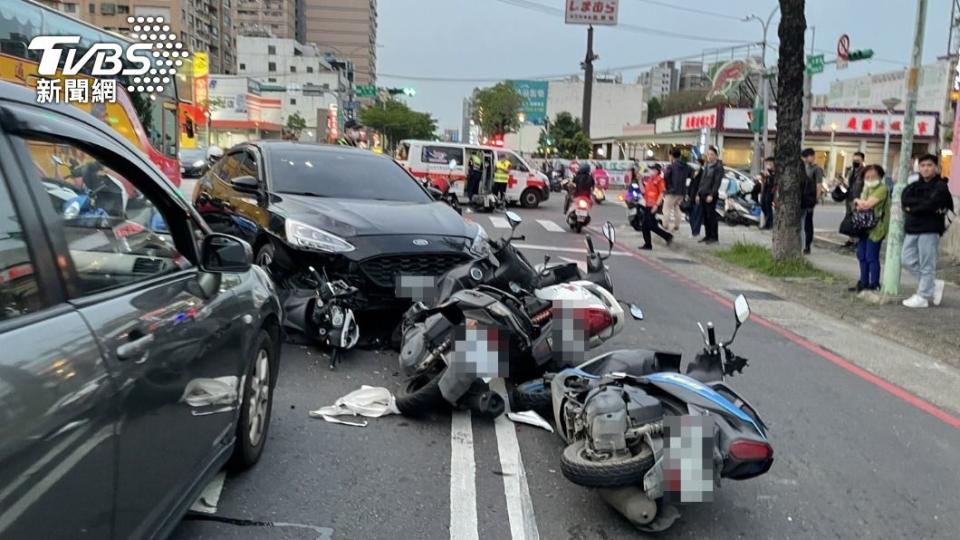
814,64
860,54
366,90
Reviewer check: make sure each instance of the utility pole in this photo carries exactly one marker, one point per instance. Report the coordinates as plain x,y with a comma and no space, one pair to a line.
760,148
587,66
808,92
891,275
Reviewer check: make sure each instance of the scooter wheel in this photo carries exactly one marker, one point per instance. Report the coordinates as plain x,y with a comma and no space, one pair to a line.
577,228
420,395
583,470
532,396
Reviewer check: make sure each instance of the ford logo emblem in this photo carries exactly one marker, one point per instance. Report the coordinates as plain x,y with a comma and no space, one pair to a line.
420,242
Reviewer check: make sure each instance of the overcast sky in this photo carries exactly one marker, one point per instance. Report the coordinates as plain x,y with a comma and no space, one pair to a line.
498,39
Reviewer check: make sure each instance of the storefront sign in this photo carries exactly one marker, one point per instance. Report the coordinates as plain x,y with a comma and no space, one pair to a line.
869,123
739,119
692,121
534,94
596,12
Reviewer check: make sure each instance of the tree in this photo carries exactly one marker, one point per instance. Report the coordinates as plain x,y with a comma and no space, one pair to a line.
295,125
790,171
654,110
689,101
496,108
567,136
396,121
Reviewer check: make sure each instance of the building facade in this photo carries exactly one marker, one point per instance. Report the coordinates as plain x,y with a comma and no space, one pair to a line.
692,76
298,75
347,28
203,25
661,81
277,18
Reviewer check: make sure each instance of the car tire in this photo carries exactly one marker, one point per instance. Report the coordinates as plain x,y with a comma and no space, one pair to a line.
419,395
265,254
583,471
256,404
530,198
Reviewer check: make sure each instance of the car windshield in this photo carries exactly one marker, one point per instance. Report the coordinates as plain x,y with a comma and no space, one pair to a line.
342,175
189,155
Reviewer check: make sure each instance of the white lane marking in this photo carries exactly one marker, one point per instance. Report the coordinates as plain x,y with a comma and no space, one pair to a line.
523,523
550,225
581,251
499,222
463,474
580,264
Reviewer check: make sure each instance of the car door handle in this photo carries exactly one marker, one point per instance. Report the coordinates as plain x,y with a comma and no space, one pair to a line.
135,348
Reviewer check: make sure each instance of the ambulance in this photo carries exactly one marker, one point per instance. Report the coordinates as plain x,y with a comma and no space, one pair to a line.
444,165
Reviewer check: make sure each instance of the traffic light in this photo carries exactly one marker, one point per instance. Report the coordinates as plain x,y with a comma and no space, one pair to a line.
860,54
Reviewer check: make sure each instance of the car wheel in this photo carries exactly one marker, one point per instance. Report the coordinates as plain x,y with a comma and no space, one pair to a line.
530,199
256,405
265,255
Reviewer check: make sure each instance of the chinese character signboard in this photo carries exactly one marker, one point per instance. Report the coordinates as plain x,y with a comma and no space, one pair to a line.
534,94
870,123
693,121
598,12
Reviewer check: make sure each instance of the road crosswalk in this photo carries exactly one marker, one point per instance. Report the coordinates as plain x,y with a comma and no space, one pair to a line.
499,222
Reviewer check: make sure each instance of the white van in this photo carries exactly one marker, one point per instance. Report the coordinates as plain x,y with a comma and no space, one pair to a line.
431,160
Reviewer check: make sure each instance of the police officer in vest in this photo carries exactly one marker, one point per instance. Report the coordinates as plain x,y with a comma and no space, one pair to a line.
351,134
501,177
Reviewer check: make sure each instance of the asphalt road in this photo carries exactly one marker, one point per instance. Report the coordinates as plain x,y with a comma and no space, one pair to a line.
851,460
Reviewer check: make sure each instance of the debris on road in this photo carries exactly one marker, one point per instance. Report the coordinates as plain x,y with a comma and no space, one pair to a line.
530,418
368,401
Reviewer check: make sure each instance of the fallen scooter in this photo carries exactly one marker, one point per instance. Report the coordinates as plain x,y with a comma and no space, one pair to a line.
632,424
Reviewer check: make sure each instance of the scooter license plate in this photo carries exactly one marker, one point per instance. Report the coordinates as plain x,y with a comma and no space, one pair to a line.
688,467
632,211
582,213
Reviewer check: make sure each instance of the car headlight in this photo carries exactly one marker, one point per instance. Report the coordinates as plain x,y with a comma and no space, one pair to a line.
480,245
304,236
198,163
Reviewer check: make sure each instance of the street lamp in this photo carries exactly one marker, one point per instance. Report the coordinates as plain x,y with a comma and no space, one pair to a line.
521,118
831,167
890,103
763,80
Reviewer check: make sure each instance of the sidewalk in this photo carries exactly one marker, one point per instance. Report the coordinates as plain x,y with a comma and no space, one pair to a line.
934,331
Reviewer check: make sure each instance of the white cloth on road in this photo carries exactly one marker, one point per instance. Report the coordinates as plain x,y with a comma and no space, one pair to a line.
531,418
368,401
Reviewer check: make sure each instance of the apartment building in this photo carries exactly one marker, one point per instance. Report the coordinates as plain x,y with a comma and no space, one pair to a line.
203,25
346,28
277,18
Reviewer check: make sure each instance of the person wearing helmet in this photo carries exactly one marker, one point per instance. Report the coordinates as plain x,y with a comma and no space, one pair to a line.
582,185
214,153
351,134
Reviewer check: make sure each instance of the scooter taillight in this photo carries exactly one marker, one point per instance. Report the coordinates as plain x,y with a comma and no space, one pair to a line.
747,450
598,320
583,204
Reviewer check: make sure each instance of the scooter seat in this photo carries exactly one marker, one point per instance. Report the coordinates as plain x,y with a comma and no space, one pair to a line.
635,362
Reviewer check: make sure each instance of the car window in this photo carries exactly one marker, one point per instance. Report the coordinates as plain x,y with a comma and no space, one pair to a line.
19,287
115,234
441,155
248,165
229,167
342,174
515,163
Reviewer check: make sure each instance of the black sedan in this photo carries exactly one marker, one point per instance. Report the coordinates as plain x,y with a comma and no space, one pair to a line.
193,162
358,215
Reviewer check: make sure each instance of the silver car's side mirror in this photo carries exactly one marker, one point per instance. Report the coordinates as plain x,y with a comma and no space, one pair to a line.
514,219
741,309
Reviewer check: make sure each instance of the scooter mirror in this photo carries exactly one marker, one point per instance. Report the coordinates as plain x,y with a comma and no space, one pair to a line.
636,312
610,232
741,309
514,219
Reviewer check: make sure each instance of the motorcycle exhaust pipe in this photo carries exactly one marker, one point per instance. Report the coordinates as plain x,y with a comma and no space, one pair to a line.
632,502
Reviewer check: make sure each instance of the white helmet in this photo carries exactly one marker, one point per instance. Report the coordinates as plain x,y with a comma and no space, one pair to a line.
214,153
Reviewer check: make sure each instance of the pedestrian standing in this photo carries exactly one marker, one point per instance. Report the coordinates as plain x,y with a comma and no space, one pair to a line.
501,177
871,220
809,195
925,203
847,192
693,202
675,177
707,194
654,191
768,186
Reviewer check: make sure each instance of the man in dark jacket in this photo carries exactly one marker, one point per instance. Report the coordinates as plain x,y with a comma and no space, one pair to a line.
676,176
696,211
925,205
583,184
708,193
810,195
768,181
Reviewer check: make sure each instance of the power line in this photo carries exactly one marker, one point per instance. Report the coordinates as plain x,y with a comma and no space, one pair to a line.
527,4
692,10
